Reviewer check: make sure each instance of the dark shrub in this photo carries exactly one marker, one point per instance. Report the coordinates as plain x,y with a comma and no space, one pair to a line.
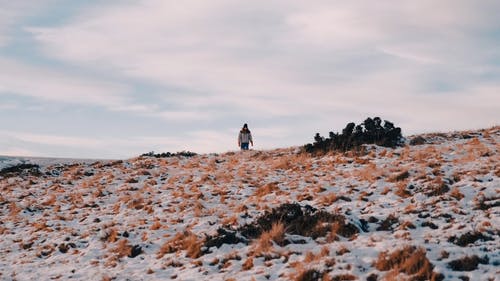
21,170
297,220
468,238
309,275
418,141
371,131
169,154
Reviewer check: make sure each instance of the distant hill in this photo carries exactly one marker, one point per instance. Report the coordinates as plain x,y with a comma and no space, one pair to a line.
425,211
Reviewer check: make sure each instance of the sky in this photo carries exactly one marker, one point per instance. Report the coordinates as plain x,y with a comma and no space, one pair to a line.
115,79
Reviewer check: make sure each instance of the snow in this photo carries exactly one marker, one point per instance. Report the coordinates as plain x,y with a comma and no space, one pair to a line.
70,224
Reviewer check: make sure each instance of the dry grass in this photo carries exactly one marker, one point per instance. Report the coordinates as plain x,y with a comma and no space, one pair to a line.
327,199
198,209
248,264
455,193
156,225
402,190
264,244
310,257
231,220
122,249
111,235
423,155
409,260
266,189
282,163
14,210
187,241
369,173
399,176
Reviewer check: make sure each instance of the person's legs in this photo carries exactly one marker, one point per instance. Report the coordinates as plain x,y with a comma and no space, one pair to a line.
244,146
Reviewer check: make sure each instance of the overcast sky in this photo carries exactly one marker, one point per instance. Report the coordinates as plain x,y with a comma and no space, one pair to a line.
114,79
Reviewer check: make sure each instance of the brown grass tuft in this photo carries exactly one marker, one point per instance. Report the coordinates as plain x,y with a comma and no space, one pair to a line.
266,189
110,236
123,248
455,193
187,241
328,199
409,260
156,225
14,210
248,264
438,187
264,243
399,176
283,163
50,201
401,190
369,173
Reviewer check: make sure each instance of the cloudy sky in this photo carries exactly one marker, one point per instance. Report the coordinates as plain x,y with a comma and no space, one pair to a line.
114,79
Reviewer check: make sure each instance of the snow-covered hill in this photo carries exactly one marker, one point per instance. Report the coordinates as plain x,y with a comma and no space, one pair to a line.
9,161
422,212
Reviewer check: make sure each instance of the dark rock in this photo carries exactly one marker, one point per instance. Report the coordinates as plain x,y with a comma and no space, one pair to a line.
424,215
387,224
63,248
223,237
27,246
364,225
345,198
467,263
430,225
135,251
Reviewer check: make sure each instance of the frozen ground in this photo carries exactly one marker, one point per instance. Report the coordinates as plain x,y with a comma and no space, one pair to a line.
423,212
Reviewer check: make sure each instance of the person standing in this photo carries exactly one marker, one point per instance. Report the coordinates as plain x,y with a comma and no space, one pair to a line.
244,138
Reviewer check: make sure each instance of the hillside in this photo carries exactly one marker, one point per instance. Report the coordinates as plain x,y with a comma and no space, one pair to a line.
418,212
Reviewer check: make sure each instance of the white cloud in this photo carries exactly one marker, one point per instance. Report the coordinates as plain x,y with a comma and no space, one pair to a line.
43,83
256,48
20,143
14,11
58,86
421,64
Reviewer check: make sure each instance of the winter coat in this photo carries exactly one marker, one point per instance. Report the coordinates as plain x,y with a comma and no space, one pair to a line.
245,136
